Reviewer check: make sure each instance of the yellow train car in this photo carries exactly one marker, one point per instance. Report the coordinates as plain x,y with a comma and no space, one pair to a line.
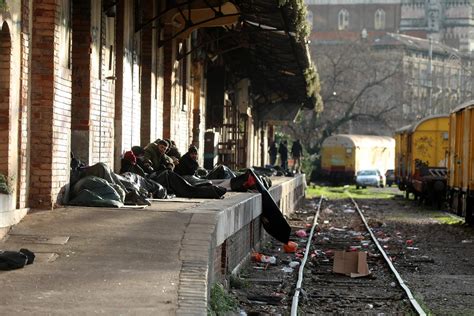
421,159
343,155
401,156
461,161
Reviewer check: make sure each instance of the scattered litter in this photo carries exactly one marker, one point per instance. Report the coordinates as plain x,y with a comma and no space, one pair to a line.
354,248
290,247
337,229
294,264
466,241
393,284
349,211
412,248
409,242
287,269
370,306
258,257
301,233
326,222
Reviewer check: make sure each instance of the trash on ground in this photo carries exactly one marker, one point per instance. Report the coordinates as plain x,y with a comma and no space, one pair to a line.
287,269
290,247
301,233
258,257
294,264
353,264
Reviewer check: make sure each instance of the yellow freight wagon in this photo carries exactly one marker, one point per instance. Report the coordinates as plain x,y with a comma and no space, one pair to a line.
401,156
342,156
427,155
461,161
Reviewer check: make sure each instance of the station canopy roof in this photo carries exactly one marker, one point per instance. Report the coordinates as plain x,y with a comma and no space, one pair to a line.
263,40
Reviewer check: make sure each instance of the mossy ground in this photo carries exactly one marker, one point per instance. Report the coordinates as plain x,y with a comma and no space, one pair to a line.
339,192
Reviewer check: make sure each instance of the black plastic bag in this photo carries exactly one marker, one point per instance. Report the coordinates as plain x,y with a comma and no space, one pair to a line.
10,260
272,219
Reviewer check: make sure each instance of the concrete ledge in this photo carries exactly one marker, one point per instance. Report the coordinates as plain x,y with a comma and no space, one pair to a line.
9,215
220,236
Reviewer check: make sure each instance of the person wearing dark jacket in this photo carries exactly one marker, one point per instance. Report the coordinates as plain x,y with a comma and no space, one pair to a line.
272,152
297,152
188,164
283,151
156,153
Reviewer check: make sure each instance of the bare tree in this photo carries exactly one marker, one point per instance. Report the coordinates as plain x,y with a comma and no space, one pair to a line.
358,84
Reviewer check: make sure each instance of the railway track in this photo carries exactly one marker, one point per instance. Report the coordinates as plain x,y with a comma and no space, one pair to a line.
341,226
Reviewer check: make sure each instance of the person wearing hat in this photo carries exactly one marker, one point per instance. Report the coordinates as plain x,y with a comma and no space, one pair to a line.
129,164
188,164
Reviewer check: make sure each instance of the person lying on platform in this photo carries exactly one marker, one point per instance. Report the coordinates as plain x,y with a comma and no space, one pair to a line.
173,182
156,153
188,164
129,164
142,162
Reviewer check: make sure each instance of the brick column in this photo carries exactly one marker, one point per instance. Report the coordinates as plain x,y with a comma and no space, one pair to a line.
5,65
146,60
167,82
50,107
118,84
24,127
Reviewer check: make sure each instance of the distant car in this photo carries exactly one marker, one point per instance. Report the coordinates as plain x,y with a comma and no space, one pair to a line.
390,177
372,178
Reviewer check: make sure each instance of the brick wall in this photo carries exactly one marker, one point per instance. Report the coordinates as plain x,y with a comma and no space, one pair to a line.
131,99
234,250
81,67
50,104
156,110
24,152
146,80
102,86
5,57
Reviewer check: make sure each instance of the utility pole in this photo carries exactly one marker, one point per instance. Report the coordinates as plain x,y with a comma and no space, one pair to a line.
430,74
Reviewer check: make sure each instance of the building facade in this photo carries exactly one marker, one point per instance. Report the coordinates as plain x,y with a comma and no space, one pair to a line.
352,19
94,78
447,21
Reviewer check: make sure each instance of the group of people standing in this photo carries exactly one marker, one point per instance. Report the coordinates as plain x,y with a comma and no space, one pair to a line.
282,150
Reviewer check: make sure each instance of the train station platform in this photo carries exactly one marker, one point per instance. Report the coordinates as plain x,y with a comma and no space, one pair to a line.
161,260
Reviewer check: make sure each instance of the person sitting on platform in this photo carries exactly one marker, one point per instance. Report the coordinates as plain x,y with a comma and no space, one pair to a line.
156,153
173,151
188,164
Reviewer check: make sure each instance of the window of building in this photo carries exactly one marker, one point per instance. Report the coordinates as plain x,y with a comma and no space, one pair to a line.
379,21
343,19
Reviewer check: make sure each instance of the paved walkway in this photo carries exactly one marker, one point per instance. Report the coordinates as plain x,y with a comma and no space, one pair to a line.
115,261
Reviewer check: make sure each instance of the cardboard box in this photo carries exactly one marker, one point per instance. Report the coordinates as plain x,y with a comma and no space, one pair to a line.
352,263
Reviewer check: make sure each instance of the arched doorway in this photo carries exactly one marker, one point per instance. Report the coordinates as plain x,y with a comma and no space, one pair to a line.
5,58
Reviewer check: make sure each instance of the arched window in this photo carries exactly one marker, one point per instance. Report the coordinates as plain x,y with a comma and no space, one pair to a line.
343,19
379,20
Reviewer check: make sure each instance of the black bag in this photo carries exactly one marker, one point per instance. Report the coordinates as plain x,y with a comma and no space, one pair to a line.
10,260
220,172
272,219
